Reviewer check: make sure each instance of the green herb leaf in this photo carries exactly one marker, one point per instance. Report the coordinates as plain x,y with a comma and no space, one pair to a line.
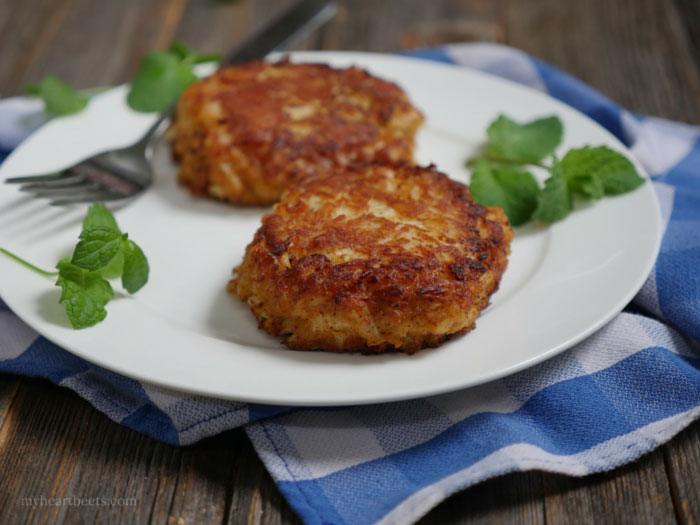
99,215
509,187
135,268
84,294
97,247
159,81
597,171
59,98
529,142
115,267
555,200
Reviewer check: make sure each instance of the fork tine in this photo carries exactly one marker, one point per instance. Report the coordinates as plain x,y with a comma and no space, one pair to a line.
69,189
98,196
52,177
69,180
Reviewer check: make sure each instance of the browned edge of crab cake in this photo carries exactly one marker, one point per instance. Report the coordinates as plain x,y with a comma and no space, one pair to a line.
248,131
371,259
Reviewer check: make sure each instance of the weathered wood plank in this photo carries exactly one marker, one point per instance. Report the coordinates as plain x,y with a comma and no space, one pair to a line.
635,51
87,43
682,456
8,390
58,446
514,498
36,443
637,493
202,481
689,13
27,29
254,498
215,27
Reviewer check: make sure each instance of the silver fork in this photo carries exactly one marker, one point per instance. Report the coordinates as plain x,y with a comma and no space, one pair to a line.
117,176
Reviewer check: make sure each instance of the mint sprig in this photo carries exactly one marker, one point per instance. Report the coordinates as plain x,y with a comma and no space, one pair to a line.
103,252
500,177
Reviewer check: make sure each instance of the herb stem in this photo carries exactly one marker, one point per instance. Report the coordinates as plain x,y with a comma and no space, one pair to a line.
27,264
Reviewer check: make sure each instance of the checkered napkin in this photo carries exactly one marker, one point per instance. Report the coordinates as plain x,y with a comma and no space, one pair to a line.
623,391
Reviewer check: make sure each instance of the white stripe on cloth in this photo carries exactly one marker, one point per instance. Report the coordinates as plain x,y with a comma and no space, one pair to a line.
20,116
103,394
15,335
657,143
605,456
498,60
325,442
320,443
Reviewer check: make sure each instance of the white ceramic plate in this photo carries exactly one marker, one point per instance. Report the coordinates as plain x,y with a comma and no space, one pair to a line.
184,331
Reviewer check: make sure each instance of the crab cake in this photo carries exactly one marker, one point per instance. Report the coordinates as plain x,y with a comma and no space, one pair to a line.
375,258
249,131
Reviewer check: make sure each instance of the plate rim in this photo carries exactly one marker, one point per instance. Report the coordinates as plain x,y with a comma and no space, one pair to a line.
426,391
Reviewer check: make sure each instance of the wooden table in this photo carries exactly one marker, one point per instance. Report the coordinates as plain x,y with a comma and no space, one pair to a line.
642,53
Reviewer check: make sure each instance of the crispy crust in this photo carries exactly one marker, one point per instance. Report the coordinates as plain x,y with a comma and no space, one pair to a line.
372,259
249,131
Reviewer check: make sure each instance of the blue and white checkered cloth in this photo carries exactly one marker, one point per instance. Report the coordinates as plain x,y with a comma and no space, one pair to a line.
617,395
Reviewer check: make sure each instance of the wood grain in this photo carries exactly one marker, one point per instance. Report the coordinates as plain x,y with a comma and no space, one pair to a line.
514,498
637,52
637,493
8,390
642,53
682,456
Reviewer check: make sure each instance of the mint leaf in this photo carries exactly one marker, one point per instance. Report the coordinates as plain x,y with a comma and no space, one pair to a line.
161,78
115,267
586,184
529,142
97,247
600,170
99,215
84,294
59,98
555,200
135,267
509,187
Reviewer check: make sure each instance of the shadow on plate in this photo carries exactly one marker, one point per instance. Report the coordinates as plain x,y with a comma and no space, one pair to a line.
50,310
231,319
166,188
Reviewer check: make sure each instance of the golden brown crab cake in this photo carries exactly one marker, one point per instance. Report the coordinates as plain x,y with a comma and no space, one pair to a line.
249,131
375,258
